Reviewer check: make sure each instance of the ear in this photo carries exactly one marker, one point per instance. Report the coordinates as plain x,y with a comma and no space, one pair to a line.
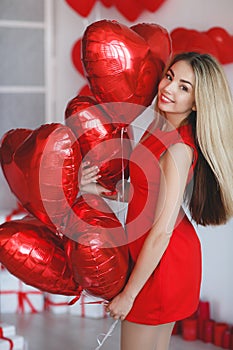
194,107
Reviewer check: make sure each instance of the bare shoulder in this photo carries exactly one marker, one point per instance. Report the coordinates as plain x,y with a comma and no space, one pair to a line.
180,153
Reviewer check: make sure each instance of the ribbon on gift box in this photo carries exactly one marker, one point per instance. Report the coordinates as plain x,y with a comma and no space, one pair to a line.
19,210
48,302
82,303
23,297
5,338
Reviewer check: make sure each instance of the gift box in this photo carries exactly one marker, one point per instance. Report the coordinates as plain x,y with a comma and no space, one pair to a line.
57,304
9,340
88,306
16,296
15,214
15,342
6,330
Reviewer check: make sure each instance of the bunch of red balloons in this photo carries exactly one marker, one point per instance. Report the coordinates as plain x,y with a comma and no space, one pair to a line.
130,9
70,241
215,41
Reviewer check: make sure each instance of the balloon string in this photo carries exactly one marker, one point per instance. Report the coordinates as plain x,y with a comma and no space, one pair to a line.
122,162
111,329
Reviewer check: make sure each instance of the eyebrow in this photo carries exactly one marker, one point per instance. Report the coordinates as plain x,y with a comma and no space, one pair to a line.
182,80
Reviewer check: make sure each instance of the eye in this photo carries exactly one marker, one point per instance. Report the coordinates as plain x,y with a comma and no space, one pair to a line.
184,88
168,76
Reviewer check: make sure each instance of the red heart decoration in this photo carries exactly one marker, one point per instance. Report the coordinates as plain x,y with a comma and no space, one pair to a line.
32,253
216,41
85,91
158,40
101,143
152,5
130,9
224,43
192,40
81,7
97,249
76,56
41,168
120,66
108,3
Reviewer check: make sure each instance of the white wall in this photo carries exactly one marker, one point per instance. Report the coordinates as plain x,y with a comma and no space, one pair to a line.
198,14
217,243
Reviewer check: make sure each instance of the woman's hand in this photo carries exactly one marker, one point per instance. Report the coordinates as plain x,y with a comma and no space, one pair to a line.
120,306
88,180
88,174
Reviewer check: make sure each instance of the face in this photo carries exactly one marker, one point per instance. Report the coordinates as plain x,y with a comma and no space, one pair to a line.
176,92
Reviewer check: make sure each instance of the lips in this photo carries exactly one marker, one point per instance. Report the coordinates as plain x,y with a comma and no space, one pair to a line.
164,99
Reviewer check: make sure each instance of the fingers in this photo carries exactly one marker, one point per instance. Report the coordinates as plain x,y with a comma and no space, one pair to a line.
112,314
89,174
117,317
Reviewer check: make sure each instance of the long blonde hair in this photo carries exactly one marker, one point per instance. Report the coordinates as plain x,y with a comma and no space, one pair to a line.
212,125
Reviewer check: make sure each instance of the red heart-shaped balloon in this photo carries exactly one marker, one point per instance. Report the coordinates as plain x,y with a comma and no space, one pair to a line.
121,67
108,3
158,40
32,253
101,143
85,91
82,7
97,249
224,43
192,40
151,5
130,9
76,56
41,168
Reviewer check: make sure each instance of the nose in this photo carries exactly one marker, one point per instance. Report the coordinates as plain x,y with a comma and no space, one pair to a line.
170,87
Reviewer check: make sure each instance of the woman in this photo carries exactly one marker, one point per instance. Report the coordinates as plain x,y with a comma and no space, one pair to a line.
192,141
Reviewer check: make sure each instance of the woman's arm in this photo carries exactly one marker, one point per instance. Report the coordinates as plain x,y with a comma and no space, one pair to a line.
175,165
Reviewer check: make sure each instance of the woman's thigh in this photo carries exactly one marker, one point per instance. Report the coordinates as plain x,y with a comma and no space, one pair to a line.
145,337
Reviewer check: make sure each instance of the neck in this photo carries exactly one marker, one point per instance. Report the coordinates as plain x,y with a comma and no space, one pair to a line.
173,122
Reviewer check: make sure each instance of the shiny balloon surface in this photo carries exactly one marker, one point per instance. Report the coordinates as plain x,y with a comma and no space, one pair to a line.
97,248
101,143
121,66
31,252
41,168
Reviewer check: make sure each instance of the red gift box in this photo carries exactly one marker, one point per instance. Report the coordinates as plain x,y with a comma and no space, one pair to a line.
208,331
203,313
226,340
189,329
219,330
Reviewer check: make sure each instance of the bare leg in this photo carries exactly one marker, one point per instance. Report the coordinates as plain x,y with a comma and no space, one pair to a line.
138,336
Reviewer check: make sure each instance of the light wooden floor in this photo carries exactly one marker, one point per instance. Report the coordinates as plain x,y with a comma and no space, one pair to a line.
47,331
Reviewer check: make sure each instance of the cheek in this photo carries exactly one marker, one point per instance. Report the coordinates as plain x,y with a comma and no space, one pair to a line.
187,102
161,85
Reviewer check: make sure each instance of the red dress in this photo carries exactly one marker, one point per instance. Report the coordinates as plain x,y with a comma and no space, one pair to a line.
172,291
